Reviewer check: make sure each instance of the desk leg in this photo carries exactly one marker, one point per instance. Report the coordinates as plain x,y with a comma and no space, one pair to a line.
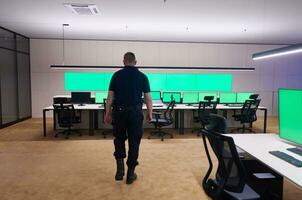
91,122
182,122
44,122
265,120
54,121
176,119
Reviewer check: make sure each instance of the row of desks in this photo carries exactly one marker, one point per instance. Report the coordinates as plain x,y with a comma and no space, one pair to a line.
180,108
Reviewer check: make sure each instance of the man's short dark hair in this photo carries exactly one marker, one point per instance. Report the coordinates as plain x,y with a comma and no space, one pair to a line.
129,57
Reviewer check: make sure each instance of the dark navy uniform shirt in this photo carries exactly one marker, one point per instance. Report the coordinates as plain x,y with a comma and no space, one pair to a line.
128,85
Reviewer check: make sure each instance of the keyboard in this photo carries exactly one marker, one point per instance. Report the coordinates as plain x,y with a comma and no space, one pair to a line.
234,105
295,150
157,105
287,158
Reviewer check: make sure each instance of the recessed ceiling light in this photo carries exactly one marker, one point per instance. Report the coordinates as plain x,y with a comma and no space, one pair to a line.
82,9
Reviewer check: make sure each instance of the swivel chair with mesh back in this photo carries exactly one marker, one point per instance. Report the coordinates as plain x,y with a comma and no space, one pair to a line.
162,119
230,180
205,108
247,115
66,118
236,176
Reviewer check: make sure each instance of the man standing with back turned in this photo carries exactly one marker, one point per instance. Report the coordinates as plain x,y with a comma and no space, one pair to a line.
125,97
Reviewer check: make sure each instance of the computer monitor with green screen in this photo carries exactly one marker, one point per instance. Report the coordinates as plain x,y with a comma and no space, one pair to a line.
168,96
155,95
204,94
290,109
190,97
242,96
227,97
100,96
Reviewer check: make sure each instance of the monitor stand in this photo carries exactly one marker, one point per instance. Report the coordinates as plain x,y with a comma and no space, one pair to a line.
295,150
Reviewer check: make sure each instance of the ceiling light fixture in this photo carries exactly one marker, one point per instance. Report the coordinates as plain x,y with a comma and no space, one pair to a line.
154,67
63,46
297,48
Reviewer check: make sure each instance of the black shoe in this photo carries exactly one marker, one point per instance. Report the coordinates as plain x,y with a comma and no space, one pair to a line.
120,170
131,176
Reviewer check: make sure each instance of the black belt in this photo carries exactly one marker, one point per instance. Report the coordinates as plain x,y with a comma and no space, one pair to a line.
124,108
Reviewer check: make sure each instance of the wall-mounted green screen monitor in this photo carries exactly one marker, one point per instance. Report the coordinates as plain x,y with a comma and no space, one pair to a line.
168,96
86,81
100,96
94,81
155,95
227,97
290,109
204,94
190,97
242,96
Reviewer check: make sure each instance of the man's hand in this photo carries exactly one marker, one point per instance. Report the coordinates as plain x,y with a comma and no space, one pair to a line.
108,118
149,117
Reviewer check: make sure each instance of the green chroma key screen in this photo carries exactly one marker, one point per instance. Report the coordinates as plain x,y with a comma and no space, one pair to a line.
167,97
100,96
94,81
290,109
204,94
190,97
227,97
155,95
242,96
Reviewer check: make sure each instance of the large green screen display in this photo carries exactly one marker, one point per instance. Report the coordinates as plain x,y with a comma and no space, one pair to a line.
290,109
93,81
242,96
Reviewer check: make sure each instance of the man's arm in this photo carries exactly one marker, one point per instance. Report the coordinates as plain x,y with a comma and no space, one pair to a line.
109,102
148,101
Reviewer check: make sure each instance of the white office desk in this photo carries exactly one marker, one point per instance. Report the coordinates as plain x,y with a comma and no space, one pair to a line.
179,107
259,145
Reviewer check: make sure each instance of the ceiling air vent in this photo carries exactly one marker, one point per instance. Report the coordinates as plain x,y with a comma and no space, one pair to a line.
83,9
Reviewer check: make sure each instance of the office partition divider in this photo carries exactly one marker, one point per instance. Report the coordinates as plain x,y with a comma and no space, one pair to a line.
15,88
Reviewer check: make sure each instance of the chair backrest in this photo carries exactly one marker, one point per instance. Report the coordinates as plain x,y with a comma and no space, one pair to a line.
249,110
230,174
59,100
168,112
205,108
65,112
254,96
217,123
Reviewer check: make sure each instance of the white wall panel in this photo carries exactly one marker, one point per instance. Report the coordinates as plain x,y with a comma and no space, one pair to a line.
269,75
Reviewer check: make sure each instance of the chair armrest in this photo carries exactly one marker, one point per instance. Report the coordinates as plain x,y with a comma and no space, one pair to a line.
265,175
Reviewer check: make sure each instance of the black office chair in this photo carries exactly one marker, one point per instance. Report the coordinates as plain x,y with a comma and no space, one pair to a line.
66,118
247,115
205,108
230,180
254,96
108,131
162,119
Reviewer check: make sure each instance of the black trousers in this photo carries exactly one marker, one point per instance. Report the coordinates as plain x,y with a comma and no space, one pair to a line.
128,124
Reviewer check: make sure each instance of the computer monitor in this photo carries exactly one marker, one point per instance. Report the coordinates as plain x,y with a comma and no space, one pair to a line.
204,94
168,96
227,97
190,97
80,98
242,96
155,95
100,96
290,109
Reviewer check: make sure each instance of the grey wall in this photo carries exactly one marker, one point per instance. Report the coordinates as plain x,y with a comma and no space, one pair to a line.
266,79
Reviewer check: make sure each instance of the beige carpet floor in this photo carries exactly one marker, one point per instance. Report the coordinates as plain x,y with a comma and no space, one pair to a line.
37,168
